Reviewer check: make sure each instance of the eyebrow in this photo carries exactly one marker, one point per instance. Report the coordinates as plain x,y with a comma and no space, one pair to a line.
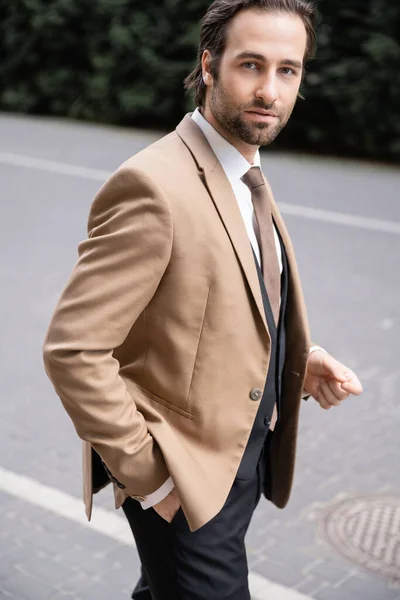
254,55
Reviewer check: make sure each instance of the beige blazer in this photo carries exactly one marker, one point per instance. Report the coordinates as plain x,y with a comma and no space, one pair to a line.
160,335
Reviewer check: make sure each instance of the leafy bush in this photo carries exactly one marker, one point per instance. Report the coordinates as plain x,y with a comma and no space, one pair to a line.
353,87
124,61
120,61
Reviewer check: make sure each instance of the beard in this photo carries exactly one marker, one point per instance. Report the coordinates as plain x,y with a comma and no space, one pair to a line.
230,117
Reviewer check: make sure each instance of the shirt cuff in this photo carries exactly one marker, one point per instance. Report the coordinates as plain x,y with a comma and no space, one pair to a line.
315,348
158,495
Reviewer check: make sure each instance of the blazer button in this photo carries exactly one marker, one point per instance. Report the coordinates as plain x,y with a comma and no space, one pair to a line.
256,394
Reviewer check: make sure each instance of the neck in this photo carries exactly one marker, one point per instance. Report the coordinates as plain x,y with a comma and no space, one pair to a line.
247,151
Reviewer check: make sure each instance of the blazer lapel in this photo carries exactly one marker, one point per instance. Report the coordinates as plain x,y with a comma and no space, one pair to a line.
222,195
294,289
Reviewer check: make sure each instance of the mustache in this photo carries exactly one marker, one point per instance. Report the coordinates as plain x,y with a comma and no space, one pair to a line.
264,106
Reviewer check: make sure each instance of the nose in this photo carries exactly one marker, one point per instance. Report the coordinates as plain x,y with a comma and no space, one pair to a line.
268,91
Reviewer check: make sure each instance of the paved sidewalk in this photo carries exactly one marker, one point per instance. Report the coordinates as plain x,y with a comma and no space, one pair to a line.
51,524
49,551
46,557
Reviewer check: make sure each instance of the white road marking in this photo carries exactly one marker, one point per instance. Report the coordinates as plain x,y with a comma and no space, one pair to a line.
52,166
304,212
64,505
339,218
110,524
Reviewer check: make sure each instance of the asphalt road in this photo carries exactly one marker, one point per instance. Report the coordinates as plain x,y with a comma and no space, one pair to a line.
350,273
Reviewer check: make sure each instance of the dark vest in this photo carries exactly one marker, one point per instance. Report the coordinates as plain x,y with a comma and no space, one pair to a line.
273,385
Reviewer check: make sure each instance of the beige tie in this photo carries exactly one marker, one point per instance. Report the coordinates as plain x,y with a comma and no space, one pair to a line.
269,258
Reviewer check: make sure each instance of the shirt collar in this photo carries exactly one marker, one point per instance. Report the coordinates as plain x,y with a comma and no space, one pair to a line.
233,163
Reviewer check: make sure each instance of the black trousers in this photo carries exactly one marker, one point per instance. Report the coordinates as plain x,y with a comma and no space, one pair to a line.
207,564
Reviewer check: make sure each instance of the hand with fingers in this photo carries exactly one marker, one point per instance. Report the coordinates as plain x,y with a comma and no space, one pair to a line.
328,381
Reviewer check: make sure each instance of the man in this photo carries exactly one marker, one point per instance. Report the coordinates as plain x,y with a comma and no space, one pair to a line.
180,346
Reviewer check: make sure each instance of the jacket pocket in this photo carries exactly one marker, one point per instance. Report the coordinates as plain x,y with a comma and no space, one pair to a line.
170,405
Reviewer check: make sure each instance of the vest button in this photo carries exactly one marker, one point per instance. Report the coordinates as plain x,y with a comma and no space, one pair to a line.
267,421
256,394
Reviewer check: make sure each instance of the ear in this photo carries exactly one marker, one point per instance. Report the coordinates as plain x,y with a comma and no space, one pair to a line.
206,63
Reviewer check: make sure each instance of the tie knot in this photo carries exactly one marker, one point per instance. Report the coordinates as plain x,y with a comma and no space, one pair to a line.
253,178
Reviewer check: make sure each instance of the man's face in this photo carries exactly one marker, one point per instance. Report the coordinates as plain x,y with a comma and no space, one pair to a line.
259,76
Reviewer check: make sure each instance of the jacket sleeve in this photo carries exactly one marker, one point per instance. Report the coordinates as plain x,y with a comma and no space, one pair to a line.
117,272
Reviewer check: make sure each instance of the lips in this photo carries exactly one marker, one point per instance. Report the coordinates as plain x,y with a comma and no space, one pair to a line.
263,113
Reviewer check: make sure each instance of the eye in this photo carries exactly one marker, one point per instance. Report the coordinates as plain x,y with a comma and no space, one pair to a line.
249,66
287,71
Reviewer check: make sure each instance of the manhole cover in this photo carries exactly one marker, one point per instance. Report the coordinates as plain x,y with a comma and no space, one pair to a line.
367,531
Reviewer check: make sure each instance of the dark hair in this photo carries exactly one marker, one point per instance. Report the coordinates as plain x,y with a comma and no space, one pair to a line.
214,30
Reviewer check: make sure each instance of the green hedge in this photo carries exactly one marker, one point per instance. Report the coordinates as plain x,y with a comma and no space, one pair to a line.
352,89
124,61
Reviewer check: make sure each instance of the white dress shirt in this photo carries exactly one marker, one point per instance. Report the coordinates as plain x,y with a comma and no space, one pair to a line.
235,166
